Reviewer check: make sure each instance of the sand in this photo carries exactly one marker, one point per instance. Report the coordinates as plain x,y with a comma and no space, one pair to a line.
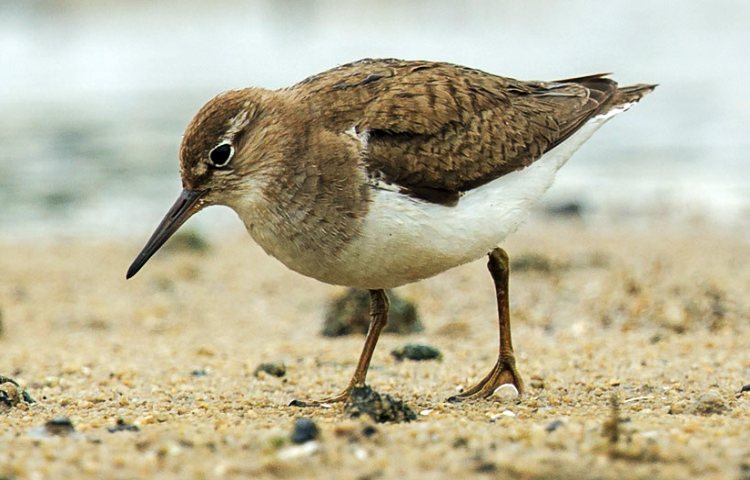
652,319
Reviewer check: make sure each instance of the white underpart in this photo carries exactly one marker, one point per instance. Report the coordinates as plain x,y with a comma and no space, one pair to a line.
405,239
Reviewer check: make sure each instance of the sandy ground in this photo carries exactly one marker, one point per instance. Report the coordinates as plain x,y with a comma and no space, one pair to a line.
656,318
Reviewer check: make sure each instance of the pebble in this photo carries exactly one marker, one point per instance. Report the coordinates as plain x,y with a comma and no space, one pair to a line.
709,403
505,392
11,393
360,453
531,262
553,425
537,382
276,369
61,426
297,451
187,241
122,426
381,408
305,430
350,313
416,351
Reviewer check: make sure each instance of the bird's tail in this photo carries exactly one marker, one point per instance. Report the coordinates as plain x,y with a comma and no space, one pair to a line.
630,94
609,94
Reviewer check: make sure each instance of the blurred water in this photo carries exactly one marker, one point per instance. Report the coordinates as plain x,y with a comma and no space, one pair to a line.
94,95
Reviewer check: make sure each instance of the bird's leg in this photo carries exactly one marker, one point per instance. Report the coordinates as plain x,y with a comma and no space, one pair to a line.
504,371
378,319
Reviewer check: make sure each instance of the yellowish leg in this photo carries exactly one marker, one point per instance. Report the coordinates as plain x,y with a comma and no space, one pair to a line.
504,371
378,319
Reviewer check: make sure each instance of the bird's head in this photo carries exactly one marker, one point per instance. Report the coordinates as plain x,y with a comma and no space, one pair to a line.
230,151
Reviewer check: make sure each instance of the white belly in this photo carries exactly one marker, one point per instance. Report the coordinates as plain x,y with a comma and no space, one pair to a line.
405,239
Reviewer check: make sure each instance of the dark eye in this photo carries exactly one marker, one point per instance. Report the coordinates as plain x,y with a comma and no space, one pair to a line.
221,154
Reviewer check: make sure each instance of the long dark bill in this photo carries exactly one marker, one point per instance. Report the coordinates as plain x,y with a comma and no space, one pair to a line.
185,206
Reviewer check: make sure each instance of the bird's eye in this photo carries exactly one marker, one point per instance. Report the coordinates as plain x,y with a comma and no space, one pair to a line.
221,154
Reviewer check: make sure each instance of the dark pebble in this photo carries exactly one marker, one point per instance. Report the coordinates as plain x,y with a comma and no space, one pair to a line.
380,408
745,388
531,262
350,313
199,372
276,369
187,240
567,209
418,352
304,431
12,393
486,467
553,425
59,426
121,426
460,442
369,431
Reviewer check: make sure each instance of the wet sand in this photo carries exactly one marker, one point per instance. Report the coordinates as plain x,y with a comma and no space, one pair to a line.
652,319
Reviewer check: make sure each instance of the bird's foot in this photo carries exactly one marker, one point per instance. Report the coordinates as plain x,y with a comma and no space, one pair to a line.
503,373
341,397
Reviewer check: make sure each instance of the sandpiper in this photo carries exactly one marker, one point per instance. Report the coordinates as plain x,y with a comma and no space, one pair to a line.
382,172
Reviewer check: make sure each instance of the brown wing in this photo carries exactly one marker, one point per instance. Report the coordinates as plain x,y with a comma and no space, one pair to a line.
437,129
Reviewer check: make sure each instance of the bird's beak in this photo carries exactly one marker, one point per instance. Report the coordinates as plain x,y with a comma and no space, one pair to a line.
186,205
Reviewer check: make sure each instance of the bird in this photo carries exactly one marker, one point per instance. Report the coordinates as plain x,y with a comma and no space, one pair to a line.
383,172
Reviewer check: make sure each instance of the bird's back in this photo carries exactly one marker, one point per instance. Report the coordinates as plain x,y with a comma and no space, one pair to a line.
436,130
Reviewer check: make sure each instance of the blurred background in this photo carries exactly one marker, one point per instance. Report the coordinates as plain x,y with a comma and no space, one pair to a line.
94,96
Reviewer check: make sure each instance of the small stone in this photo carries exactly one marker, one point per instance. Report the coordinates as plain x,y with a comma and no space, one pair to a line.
9,396
380,408
417,352
276,369
553,425
460,442
11,393
369,431
570,209
709,403
531,262
350,313
537,382
505,392
59,426
122,426
297,451
186,241
205,351
305,430
485,467
199,372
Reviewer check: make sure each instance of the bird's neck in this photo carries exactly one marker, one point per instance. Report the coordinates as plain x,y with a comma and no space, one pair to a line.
313,204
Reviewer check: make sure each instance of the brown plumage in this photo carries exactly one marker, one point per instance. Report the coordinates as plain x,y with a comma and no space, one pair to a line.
438,129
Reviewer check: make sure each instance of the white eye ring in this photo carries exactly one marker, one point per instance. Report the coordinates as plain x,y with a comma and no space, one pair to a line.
221,154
